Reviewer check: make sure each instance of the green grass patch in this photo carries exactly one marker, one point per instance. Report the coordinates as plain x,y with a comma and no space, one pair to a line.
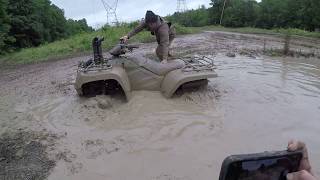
186,30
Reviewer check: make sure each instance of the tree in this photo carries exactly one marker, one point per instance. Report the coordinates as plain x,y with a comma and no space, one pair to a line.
216,10
28,23
303,14
272,14
195,17
4,27
77,26
310,14
315,14
240,13
34,22
22,26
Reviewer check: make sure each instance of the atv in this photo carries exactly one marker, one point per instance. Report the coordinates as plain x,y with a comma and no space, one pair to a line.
123,73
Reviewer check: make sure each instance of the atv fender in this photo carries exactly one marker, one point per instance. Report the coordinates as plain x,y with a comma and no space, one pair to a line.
115,73
176,78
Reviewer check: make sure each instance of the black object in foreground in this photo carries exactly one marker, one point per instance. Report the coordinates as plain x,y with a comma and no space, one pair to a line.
97,49
261,166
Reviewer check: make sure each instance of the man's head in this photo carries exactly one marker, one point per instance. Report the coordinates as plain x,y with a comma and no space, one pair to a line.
151,17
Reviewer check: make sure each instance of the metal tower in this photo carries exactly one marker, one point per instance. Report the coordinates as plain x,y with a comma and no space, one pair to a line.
111,9
181,6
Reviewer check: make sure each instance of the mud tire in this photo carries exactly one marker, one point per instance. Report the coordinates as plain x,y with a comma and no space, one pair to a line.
105,87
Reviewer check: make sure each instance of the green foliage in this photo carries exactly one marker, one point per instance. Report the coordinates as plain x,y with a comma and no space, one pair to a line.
77,26
269,14
215,11
79,43
4,27
241,13
185,30
29,23
191,18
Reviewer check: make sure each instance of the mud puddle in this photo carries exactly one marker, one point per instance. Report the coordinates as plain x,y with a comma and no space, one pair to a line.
256,104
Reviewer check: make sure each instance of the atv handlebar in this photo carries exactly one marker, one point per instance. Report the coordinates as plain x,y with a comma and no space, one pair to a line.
131,47
122,48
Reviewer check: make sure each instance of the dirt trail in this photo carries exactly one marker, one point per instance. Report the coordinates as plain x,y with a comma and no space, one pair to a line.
256,104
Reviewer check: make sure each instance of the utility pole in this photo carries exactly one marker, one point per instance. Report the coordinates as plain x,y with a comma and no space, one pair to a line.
221,17
111,9
181,6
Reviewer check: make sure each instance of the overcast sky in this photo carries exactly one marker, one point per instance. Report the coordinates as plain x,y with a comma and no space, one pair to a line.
128,10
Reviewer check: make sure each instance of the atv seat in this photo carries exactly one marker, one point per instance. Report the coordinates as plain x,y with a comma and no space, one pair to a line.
156,67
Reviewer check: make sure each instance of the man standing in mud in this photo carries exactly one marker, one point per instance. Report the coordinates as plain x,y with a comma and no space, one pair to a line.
164,32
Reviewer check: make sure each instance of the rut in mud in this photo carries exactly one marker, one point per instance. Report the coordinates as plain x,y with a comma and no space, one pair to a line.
256,104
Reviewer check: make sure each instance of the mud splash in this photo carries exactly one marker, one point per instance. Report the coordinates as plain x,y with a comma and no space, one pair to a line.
256,104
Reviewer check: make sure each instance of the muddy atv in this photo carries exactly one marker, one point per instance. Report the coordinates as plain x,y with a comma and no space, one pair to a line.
122,73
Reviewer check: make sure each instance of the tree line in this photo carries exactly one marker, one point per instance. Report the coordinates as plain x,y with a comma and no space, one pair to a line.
302,14
28,23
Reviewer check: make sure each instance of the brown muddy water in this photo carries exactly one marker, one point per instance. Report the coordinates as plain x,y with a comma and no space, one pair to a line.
256,104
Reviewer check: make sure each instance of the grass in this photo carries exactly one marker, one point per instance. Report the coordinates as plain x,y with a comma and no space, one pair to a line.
78,44
81,44
250,30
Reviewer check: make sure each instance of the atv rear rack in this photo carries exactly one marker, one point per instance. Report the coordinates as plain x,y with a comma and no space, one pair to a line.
198,63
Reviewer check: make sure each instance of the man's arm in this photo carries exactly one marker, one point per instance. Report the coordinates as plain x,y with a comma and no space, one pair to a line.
163,47
142,25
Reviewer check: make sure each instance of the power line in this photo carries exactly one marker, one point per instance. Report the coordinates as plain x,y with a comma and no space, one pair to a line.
181,6
111,9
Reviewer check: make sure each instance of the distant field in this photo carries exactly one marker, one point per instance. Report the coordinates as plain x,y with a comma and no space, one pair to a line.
249,30
81,44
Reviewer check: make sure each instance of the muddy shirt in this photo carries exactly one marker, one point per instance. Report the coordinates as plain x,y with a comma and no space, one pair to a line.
163,33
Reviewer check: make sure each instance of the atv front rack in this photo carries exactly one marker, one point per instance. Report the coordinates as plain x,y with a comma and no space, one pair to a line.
94,67
198,64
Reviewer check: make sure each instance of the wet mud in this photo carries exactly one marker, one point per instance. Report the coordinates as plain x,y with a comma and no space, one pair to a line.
23,155
256,104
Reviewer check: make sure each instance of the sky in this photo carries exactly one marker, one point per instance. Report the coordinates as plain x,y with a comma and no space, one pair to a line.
128,10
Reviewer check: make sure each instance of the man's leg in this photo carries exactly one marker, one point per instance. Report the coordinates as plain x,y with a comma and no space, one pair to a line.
171,38
160,55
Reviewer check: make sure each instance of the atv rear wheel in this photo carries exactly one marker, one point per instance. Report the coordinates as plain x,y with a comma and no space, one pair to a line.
103,87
